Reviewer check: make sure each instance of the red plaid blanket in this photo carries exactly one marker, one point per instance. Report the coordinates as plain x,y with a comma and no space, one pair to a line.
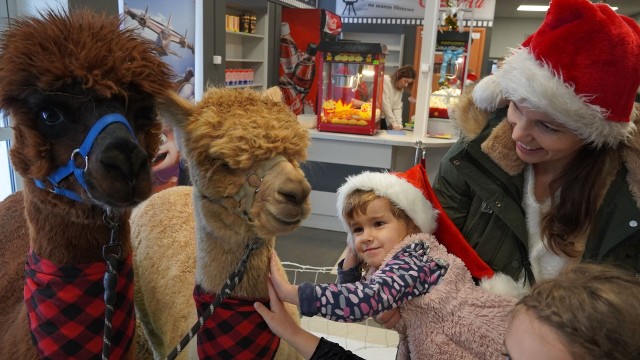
235,330
66,309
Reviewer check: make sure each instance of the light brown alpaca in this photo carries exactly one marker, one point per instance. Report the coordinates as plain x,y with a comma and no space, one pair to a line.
60,74
188,235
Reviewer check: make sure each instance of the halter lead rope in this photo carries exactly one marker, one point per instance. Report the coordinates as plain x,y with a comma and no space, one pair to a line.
112,254
70,168
232,281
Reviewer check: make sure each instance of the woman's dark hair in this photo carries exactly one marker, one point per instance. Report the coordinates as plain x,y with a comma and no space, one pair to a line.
573,211
405,71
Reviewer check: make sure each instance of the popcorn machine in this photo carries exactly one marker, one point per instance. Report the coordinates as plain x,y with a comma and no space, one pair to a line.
350,86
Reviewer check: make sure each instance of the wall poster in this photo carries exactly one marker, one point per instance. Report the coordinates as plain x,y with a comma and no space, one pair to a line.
171,26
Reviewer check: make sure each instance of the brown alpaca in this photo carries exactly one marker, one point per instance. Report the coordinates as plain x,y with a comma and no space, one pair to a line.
197,235
59,75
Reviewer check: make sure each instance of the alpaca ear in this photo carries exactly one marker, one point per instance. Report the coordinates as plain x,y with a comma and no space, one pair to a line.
174,110
273,93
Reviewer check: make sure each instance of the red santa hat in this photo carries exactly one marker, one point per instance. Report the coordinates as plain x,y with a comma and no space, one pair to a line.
412,192
580,67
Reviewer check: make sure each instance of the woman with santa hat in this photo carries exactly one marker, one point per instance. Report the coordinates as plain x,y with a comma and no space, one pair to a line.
547,170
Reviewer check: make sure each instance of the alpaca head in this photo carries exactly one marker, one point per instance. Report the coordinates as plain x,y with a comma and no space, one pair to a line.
241,144
60,73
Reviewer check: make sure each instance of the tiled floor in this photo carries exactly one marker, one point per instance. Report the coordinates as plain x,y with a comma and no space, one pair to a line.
310,255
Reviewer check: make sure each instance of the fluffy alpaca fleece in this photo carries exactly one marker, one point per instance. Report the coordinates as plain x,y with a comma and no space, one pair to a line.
59,73
455,320
191,235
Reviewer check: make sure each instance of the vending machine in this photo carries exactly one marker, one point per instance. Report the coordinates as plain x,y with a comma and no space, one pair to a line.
301,32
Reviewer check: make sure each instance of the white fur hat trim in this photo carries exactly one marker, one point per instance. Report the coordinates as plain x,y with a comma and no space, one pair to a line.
394,188
524,80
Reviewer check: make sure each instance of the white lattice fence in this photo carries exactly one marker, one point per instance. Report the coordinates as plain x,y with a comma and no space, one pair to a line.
365,339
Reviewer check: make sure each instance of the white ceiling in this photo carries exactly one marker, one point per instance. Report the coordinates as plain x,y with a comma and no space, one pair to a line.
507,8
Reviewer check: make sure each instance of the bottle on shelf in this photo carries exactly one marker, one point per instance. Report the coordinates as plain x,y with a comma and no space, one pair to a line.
305,70
289,56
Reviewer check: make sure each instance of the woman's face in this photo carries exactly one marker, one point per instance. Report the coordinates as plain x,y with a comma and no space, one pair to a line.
530,339
540,139
403,83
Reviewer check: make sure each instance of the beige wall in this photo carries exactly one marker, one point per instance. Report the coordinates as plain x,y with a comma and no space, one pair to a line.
509,33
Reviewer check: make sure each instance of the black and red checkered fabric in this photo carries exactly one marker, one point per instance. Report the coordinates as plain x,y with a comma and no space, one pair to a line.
235,330
66,309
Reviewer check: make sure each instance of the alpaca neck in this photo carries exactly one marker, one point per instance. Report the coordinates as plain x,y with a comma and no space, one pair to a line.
218,253
68,232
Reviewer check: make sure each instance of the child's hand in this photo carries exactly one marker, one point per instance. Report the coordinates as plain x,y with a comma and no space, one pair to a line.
285,290
351,259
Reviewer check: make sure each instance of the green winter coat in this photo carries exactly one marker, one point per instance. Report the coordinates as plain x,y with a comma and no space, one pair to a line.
480,185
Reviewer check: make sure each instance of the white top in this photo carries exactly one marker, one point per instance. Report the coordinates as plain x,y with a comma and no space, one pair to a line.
544,263
391,103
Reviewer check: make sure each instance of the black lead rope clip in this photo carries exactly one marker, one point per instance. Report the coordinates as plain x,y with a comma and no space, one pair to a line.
112,254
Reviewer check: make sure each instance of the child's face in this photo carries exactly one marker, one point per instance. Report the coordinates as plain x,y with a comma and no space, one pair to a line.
528,338
376,232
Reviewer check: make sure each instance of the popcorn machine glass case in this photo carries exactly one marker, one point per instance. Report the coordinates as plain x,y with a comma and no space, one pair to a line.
351,78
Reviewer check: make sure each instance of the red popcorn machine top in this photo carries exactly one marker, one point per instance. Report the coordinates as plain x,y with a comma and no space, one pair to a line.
350,81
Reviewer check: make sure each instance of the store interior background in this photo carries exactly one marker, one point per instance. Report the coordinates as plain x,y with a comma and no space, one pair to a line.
508,28
309,246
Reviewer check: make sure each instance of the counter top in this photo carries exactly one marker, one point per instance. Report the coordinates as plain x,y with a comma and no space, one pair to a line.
383,138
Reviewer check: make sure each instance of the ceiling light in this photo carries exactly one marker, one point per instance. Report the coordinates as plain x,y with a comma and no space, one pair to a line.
543,8
533,7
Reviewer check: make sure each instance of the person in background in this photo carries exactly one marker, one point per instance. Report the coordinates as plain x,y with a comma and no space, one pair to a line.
588,312
392,90
389,223
547,170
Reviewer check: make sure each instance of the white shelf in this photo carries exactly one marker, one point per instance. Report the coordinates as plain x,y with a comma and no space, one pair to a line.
245,60
237,33
249,51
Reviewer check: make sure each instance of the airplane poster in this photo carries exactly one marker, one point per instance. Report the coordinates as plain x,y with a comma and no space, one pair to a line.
170,25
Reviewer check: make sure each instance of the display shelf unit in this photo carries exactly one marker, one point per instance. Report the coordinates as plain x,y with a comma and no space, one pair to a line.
394,42
248,51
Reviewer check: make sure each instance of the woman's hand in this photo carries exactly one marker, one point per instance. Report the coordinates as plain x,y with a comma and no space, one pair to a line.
389,319
283,325
397,127
285,290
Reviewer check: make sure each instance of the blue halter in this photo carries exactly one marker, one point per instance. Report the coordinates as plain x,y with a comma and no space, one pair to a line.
62,172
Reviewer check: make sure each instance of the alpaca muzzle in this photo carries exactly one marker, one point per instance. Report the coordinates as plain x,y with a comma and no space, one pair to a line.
83,152
251,186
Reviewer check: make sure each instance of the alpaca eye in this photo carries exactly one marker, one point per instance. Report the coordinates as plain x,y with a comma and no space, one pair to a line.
51,116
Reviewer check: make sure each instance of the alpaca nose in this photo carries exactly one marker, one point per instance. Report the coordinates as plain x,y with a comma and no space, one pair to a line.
295,192
125,158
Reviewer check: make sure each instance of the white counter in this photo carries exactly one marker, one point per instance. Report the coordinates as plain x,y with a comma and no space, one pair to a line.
383,138
379,152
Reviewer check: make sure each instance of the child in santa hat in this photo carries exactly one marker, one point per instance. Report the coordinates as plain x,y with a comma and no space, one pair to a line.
390,225
547,170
